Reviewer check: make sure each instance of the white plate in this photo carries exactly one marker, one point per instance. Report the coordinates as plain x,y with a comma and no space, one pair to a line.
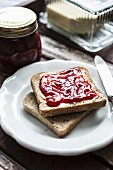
94,132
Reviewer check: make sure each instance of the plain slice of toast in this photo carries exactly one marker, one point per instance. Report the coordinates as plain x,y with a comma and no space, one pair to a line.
66,108
61,125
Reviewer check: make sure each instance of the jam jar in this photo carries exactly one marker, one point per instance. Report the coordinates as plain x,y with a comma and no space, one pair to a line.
20,42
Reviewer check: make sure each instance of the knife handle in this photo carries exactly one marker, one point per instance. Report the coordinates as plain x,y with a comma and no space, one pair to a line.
110,98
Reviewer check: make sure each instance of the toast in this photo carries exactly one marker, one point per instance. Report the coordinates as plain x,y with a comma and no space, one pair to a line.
60,125
66,108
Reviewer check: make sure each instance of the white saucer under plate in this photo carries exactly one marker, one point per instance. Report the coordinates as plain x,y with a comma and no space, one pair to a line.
94,132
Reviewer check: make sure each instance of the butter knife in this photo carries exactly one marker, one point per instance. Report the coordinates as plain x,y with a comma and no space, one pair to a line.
105,76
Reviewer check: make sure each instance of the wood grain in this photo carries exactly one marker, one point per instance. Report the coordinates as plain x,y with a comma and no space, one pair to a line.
106,53
105,155
7,164
53,49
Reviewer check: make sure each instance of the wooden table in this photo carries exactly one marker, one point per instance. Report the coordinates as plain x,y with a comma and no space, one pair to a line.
15,157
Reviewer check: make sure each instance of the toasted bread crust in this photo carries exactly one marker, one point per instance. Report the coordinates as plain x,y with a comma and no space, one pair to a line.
47,111
60,125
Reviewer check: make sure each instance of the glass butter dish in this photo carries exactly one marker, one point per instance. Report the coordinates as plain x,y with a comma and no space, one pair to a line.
88,23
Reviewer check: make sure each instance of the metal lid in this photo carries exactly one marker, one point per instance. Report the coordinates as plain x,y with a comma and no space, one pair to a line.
17,21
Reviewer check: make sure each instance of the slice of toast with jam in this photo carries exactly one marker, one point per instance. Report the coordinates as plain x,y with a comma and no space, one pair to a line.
68,91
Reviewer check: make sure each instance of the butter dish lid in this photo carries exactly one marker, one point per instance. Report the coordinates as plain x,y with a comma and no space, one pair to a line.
93,5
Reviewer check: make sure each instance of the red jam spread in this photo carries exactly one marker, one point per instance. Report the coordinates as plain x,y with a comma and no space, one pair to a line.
66,87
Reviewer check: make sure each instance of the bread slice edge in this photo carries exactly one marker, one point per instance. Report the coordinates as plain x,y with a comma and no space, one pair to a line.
61,125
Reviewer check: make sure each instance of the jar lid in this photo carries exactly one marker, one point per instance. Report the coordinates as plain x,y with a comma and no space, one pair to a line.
17,21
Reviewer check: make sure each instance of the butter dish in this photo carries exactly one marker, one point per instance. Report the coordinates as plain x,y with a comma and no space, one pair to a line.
87,23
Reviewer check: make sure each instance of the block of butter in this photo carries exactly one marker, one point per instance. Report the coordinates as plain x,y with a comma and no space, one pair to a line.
71,18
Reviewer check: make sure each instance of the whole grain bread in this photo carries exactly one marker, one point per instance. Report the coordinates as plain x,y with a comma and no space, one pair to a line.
66,108
60,125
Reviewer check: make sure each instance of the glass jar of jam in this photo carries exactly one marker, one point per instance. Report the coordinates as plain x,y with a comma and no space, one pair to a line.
20,42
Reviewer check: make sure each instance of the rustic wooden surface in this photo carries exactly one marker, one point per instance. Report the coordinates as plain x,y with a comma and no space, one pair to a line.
15,157
106,53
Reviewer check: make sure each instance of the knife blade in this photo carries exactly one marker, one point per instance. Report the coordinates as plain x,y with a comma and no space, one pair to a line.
105,76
